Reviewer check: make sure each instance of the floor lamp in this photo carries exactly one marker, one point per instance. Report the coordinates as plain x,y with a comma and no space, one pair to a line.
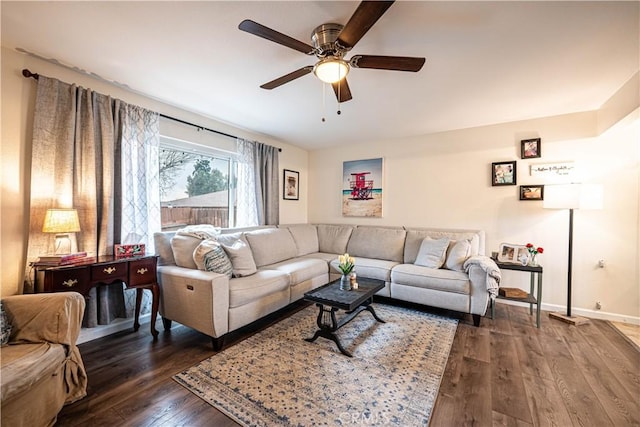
571,196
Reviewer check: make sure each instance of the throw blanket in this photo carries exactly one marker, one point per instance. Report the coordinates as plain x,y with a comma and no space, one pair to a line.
201,231
488,266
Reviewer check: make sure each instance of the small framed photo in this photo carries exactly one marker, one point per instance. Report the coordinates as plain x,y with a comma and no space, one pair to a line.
291,185
532,192
503,173
513,253
530,148
127,251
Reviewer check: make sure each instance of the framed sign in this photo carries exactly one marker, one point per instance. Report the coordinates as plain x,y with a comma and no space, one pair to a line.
564,169
503,173
126,251
530,148
290,185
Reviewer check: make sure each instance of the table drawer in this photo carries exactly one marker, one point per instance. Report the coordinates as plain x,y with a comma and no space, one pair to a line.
110,272
68,279
142,271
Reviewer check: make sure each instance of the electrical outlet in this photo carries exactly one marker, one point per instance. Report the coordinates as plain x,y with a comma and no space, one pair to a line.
601,263
598,305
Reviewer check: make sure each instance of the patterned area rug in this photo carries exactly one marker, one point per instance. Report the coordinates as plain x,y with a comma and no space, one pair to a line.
276,378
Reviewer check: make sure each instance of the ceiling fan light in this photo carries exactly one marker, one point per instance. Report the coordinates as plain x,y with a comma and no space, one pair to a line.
331,70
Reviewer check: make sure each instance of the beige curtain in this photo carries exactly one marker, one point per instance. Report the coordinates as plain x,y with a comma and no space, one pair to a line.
258,184
73,161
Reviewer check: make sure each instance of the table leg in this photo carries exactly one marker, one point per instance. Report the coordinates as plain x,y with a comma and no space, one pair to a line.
327,325
539,298
136,323
531,292
155,290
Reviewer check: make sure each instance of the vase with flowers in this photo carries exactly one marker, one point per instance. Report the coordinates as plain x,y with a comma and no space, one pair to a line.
346,264
534,251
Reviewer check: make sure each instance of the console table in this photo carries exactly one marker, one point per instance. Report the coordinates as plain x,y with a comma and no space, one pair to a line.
138,273
537,300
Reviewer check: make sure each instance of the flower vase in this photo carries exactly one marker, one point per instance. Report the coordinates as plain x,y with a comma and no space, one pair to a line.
345,283
533,262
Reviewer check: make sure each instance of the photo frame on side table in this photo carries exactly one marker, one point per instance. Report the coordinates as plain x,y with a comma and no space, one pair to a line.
290,185
532,192
530,148
503,173
517,254
128,251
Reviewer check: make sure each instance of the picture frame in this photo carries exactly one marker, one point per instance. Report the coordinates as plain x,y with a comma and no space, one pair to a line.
362,187
530,148
532,192
503,173
129,251
515,254
290,185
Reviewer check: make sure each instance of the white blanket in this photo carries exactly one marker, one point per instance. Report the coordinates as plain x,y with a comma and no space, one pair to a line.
488,266
201,231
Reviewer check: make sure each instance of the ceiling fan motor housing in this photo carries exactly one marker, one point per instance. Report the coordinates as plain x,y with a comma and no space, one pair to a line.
324,39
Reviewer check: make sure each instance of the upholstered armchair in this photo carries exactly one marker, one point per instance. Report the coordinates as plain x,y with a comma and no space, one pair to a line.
41,365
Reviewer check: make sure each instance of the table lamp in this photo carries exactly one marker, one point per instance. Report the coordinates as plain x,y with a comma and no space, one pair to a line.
62,222
571,196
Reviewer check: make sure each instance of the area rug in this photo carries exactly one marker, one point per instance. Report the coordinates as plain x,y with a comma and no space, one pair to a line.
276,378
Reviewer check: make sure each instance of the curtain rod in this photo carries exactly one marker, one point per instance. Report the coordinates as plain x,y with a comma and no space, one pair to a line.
26,73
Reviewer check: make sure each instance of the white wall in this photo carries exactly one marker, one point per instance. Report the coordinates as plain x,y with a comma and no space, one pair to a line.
443,180
18,97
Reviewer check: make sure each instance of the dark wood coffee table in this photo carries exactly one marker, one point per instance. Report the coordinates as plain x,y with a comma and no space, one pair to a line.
330,298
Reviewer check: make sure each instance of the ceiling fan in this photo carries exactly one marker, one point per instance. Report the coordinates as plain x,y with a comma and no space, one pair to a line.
330,43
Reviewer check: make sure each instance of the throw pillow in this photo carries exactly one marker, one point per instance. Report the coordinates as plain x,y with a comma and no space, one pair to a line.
240,255
432,252
5,326
210,256
457,254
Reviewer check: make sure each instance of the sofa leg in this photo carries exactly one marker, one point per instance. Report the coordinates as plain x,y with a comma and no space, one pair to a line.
167,323
217,343
476,320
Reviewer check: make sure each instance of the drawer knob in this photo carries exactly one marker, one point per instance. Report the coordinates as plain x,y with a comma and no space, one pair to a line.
70,283
142,270
109,270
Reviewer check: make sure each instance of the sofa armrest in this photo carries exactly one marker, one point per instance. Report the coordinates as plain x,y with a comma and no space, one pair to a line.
195,298
479,294
48,317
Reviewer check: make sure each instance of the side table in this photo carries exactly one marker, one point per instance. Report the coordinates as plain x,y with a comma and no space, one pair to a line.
138,273
537,300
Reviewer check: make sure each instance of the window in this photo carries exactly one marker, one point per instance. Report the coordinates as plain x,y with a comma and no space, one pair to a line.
197,185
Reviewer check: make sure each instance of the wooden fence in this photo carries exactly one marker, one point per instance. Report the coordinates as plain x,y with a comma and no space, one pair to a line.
177,217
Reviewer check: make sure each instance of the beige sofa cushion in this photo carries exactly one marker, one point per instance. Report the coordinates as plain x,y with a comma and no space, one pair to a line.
333,239
306,238
377,242
245,290
271,245
432,253
415,236
457,253
239,253
182,248
431,278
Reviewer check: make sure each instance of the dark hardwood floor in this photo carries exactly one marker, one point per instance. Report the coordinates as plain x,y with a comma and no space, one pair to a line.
506,372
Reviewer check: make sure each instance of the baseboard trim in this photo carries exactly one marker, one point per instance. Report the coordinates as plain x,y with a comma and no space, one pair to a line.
592,314
117,325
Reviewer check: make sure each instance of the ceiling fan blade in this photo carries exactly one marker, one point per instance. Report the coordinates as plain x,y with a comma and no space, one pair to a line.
267,33
367,13
287,78
396,63
345,92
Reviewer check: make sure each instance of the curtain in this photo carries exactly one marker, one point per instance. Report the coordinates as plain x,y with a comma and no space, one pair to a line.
76,163
258,184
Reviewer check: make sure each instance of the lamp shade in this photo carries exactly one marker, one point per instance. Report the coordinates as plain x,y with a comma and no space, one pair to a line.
331,70
573,196
61,221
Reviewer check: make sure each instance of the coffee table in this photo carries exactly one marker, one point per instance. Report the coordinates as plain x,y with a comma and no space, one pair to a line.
330,298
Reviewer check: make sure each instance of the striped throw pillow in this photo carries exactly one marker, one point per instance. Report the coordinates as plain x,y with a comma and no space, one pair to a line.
210,256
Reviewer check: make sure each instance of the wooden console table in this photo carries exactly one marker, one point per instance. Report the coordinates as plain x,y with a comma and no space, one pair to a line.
530,298
138,273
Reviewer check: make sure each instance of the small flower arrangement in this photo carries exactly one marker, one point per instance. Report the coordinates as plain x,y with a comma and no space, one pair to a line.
346,263
533,250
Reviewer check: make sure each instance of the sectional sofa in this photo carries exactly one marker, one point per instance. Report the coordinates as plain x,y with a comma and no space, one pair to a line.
270,267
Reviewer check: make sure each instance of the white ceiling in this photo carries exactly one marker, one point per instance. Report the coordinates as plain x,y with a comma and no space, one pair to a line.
487,62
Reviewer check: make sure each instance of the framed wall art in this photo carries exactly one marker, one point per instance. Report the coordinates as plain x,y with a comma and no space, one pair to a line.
290,185
532,192
503,173
362,188
530,148
553,170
